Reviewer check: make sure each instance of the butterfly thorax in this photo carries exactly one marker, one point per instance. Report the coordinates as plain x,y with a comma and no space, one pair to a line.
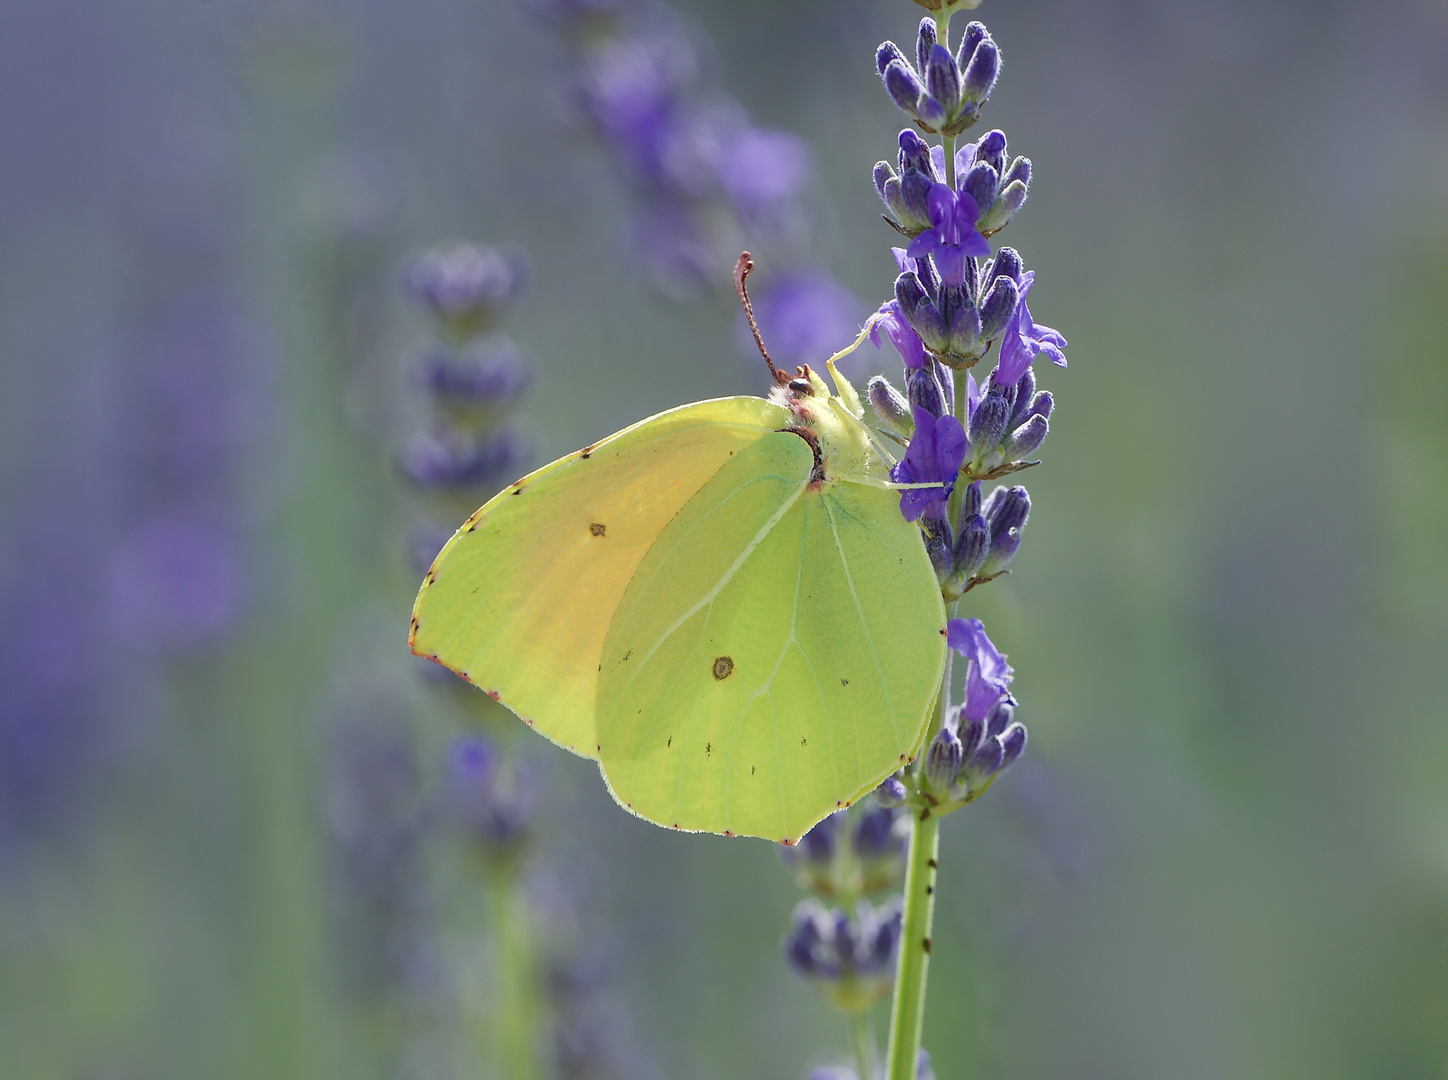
836,423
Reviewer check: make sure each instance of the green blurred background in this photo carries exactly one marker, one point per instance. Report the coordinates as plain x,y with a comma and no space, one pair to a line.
1225,854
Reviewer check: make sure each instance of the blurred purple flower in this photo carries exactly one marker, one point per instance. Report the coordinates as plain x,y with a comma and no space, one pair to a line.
988,679
759,169
467,284
1023,341
934,456
952,236
805,316
175,581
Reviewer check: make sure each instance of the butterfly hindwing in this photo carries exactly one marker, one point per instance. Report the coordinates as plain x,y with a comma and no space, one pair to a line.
768,663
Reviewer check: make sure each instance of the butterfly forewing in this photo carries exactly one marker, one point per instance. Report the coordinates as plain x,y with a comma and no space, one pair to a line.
520,599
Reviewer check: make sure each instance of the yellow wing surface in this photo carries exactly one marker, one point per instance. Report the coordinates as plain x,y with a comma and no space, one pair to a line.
519,600
776,655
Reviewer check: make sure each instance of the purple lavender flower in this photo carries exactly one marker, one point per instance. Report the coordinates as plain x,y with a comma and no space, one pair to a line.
1022,341
176,580
804,316
988,678
952,236
934,456
466,284
901,334
760,170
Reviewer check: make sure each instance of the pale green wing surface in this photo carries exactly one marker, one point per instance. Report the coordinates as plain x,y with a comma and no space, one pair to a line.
520,598
776,655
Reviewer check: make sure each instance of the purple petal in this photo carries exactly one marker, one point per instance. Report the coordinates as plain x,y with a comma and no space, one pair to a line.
967,210
903,260
942,204
972,394
975,244
950,261
922,245
950,446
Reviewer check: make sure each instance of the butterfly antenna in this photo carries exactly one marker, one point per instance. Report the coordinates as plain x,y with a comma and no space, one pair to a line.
741,271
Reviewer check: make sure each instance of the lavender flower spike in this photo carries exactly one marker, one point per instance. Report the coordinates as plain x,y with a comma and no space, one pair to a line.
1022,340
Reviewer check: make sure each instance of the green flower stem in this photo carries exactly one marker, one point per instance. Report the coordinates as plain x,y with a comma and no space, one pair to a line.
907,1011
862,1041
942,36
517,1008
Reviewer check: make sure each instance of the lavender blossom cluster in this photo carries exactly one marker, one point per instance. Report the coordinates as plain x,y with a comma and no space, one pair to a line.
470,377
849,950
954,300
707,180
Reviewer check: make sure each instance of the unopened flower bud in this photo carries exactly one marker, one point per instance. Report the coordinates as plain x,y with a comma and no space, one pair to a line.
942,761
971,503
914,195
985,762
903,86
808,944
1007,263
974,34
915,154
998,307
1013,741
988,424
925,42
1041,405
1003,548
1025,392
931,113
942,78
971,734
990,148
940,550
972,546
923,1068
1000,716
1007,508
875,835
965,336
886,54
947,385
884,173
1026,439
891,792
930,325
909,293
891,406
980,74
1010,198
923,389
981,183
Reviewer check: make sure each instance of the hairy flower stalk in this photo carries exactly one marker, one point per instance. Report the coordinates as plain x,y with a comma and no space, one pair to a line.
954,300
470,378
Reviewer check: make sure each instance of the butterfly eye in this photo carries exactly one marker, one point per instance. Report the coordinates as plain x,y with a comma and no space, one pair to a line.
801,387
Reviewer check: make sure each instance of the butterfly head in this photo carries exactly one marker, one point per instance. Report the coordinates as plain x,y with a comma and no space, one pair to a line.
835,418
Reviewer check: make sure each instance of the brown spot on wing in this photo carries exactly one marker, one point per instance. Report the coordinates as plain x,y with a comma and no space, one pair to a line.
723,667
598,528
